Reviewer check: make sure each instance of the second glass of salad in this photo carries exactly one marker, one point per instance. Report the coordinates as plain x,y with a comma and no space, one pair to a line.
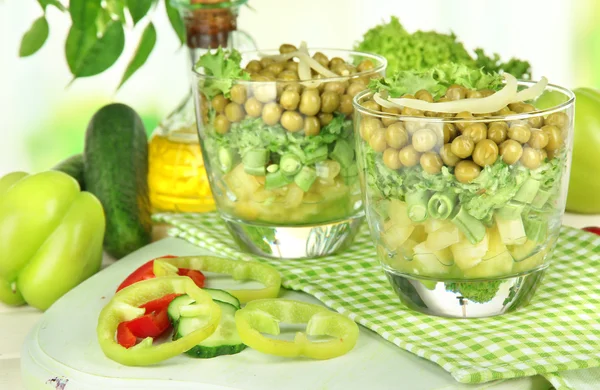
465,182
277,135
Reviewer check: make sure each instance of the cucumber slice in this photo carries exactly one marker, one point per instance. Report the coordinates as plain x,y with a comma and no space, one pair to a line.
224,341
223,296
174,310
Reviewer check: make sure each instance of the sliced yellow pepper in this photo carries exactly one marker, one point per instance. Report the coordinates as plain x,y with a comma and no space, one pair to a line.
263,316
239,270
125,306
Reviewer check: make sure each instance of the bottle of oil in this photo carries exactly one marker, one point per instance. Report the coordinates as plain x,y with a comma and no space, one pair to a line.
176,177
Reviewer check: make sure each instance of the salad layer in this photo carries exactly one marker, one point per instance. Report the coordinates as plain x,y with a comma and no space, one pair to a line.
473,199
279,142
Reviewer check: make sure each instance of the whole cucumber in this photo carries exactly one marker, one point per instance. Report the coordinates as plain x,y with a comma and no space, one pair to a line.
116,171
73,166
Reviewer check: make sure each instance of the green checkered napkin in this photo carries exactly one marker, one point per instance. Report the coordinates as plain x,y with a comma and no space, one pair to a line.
558,331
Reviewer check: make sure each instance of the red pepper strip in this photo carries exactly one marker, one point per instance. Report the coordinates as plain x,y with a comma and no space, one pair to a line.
196,276
124,336
149,325
159,304
146,271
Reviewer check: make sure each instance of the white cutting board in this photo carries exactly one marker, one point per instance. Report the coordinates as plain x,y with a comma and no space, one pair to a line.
62,350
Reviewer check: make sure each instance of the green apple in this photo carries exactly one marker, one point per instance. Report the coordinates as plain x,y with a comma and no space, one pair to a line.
584,184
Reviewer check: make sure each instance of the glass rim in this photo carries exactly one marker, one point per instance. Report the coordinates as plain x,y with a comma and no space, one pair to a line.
186,5
511,117
382,65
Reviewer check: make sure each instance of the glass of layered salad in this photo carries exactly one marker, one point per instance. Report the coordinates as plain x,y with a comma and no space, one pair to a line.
277,136
465,183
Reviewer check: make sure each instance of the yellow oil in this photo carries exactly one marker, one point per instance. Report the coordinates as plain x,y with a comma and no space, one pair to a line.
176,174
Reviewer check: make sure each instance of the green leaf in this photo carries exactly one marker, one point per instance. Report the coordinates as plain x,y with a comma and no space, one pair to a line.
88,55
34,38
55,3
142,52
176,21
138,9
116,8
84,13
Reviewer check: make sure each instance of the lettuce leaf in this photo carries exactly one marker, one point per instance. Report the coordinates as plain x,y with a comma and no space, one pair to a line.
436,80
223,67
423,50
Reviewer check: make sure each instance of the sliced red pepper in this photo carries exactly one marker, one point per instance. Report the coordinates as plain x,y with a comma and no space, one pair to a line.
124,336
159,304
149,325
146,271
592,229
196,276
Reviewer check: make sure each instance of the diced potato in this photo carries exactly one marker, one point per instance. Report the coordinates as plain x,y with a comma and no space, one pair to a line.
408,248
467,255
246,210
512,231
263,195
443,237
431,225
532,262
428,264
240,183
496,266
445,256
394,236
521,252
419,234
495,244
397,213
294,196
328,170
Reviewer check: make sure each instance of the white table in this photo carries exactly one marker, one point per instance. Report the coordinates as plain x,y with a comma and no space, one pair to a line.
16,322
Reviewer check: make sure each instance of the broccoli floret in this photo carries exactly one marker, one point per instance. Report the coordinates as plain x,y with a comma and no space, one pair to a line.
480,292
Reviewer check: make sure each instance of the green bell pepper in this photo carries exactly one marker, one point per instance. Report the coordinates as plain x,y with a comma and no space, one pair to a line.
239,270
584,186
50,237
263,316
125,306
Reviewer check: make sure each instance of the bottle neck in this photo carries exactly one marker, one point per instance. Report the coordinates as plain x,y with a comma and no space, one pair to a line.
210,28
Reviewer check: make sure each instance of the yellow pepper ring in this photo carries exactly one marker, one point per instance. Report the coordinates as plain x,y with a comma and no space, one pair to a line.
238,269
263,316
124,306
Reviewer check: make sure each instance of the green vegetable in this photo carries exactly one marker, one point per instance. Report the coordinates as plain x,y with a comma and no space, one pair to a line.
436,80
224,341
305,178
471,227
290,164
225,67
527,192
583,191
510,211
441,205
255,162
343,153
51,237
277,179
116,171
73,166
479,292
536,228
417,205
425,49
